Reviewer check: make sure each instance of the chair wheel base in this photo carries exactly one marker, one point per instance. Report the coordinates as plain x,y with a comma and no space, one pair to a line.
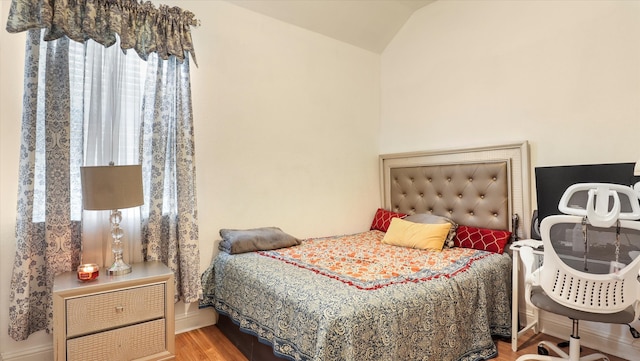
542,350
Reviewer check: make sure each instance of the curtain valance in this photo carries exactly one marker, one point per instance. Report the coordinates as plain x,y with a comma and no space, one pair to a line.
139,24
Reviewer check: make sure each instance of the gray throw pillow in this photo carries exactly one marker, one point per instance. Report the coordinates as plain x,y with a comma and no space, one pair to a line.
257,239
433,219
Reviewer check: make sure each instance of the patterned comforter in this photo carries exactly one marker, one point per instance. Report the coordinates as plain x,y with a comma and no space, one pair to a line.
355,298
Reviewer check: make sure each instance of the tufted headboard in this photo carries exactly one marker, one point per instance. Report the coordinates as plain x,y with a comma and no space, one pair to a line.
482,187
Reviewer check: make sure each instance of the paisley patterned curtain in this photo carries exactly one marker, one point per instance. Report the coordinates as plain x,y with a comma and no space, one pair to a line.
48,244
165,30
170,221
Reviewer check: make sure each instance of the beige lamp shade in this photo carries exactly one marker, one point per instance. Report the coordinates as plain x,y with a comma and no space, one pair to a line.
111,187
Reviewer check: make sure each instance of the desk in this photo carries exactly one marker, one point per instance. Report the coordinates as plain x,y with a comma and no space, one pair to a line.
515,289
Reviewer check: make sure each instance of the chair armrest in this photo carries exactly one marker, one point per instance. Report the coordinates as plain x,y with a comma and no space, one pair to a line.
527,258
530,275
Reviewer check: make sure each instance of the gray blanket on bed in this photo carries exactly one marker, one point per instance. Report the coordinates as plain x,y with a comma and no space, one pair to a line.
256,239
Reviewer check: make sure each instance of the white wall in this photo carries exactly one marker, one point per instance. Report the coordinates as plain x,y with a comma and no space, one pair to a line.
564,75
11,70
286,125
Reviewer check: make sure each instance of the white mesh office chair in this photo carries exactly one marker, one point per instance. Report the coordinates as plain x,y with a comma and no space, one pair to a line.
558,288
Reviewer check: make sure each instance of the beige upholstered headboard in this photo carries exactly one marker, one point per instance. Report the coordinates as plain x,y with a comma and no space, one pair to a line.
482,187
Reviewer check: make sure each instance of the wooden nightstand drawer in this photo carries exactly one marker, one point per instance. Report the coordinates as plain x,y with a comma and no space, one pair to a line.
127,343
114,309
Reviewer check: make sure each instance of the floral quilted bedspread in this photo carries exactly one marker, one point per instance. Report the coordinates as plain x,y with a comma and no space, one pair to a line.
355,298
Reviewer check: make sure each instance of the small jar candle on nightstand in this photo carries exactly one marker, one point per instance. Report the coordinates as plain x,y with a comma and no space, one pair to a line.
88,272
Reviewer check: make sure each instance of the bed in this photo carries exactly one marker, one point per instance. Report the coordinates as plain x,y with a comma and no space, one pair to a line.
353,297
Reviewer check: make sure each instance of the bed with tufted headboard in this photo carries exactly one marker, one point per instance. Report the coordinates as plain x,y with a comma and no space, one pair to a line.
482,187
364,297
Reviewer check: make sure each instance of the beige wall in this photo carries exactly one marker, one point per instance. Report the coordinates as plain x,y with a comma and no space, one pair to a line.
11,70
286,125
564,75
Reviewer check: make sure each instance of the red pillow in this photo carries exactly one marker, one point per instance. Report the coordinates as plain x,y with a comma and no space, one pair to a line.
481,238
382,219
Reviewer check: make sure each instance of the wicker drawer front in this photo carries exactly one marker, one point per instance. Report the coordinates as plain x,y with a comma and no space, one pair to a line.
114,309
127,343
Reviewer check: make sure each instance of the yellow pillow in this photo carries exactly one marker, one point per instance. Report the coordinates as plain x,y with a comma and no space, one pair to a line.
416,235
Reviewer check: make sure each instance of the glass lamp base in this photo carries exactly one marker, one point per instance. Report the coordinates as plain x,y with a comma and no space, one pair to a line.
118,268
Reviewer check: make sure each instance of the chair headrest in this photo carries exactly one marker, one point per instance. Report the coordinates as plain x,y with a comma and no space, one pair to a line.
597,208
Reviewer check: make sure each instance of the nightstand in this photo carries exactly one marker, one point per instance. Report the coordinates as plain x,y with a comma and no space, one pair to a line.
128,317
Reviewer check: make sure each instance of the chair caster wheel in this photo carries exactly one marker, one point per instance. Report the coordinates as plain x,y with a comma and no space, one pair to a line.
542,350
563,344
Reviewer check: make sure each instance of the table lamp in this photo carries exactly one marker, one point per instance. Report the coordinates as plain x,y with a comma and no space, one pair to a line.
112,188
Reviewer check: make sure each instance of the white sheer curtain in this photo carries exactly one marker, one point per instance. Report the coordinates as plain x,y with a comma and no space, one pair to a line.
106,90
110,88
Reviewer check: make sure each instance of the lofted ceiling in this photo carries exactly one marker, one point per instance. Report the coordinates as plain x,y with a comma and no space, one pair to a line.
368,24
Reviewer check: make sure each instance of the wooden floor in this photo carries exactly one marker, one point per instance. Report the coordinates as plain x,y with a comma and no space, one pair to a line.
209,343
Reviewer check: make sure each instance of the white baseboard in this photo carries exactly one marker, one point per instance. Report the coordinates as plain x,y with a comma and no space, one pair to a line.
35,353
195,319
191,320
608,338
